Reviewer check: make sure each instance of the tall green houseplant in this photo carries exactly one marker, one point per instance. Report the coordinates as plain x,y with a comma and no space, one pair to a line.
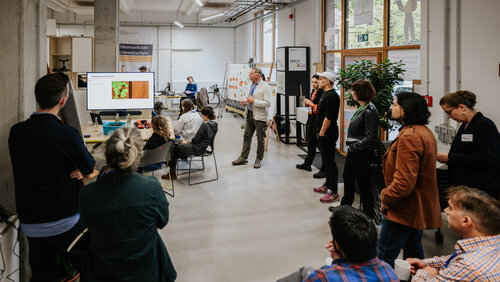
383,76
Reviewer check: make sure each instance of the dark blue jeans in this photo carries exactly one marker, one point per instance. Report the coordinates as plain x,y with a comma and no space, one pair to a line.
393,237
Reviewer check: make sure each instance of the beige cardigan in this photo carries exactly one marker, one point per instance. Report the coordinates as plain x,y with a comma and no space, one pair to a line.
262,95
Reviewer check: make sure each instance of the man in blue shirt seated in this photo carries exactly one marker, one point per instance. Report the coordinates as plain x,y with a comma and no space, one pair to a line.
353,250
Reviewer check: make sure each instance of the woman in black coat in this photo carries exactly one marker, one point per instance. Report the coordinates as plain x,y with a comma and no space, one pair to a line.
474,156
362,139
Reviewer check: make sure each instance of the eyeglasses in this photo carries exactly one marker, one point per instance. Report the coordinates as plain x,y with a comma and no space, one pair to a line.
448,112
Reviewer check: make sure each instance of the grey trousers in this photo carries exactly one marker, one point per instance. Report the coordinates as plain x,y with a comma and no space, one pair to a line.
251,126
297,276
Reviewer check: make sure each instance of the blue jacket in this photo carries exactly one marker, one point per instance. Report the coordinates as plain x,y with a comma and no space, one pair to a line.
193,88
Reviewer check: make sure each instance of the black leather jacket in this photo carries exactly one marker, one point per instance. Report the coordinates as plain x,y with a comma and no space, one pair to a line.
362,134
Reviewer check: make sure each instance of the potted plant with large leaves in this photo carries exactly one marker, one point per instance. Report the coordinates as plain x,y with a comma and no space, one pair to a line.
383,76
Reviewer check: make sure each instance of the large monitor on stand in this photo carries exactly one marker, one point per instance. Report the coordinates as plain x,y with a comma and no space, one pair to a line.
119,92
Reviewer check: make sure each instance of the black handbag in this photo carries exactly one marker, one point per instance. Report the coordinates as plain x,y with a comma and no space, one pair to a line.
377,181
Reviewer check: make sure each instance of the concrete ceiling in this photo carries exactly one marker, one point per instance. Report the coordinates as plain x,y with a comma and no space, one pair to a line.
172,9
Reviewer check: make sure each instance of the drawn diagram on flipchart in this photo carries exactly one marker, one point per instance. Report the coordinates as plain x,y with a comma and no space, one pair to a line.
238,82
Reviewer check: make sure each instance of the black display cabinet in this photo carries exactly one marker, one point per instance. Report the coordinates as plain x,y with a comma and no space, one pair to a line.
292,75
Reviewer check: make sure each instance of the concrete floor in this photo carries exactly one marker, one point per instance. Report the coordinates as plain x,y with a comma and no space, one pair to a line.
253,224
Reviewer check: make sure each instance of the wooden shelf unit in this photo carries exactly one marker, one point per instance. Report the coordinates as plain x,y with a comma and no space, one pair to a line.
78,50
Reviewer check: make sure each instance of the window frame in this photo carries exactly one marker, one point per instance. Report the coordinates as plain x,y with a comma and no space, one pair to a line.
260,38
382,51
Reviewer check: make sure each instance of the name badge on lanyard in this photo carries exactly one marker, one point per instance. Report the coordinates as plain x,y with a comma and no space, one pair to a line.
466,137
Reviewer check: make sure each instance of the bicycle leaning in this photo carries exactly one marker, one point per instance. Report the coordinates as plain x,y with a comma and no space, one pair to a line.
214,97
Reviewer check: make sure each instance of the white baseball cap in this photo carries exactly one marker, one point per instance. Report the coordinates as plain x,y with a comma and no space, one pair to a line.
328,75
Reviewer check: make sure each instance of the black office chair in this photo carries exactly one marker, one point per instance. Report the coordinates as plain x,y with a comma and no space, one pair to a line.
162,154
200,158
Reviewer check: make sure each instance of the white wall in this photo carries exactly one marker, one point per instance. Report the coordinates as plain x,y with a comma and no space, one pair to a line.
75,30
303,30
475,69
208,65
243,40
214,49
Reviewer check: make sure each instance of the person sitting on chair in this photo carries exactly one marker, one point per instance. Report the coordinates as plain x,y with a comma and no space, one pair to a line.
189,122
474,215
353,250
161,135
190,91
191,88
123,211
197,145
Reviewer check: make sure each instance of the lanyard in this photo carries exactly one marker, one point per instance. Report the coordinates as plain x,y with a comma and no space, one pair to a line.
359,110
253,89
450,259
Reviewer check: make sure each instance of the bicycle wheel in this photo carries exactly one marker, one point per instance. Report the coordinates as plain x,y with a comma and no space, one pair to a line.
213,100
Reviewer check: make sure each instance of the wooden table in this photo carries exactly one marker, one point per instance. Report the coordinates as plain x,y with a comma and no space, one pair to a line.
97,135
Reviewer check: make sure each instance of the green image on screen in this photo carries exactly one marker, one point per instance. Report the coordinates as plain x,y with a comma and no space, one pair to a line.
120,89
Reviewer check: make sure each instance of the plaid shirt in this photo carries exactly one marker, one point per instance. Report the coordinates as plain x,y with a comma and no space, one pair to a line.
341,270
475,259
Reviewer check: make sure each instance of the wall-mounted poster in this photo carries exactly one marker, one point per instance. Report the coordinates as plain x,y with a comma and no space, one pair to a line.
280,59
297,59
280,79
238,82
136,49
411,59
272,107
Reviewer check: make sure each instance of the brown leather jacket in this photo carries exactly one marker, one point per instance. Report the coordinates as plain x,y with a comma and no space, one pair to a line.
411,195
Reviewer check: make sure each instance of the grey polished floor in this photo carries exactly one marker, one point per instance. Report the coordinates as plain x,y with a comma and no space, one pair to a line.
252,224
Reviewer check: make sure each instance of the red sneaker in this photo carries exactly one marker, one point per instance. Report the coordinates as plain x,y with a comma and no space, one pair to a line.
329,197
321,189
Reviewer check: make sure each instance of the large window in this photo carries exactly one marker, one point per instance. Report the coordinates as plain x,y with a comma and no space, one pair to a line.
364,23
264,37
404,22
333,25
374,29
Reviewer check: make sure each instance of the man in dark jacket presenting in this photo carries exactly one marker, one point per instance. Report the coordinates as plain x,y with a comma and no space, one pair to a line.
49,160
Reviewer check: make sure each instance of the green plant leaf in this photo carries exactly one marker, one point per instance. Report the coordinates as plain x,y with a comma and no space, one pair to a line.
383,76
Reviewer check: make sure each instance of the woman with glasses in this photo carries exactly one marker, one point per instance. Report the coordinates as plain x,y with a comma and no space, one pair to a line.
474,156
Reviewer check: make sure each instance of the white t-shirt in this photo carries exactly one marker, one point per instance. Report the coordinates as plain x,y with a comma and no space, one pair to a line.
187,125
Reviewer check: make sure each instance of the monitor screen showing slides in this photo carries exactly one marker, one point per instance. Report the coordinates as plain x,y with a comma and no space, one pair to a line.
120,90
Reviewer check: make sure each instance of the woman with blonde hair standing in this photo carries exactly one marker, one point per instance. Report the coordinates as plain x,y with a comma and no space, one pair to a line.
122,211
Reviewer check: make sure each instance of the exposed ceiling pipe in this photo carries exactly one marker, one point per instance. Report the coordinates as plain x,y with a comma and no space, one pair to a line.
239,8
446,54
176,22
290,5
194,5
459,45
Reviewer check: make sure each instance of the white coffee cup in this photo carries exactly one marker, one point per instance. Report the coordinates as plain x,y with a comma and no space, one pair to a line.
402,269
328,261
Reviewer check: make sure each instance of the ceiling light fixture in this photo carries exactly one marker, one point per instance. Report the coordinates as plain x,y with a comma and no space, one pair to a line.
211,17
179,24
199,3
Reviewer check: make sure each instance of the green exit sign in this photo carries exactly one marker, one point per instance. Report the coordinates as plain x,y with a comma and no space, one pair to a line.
363,37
